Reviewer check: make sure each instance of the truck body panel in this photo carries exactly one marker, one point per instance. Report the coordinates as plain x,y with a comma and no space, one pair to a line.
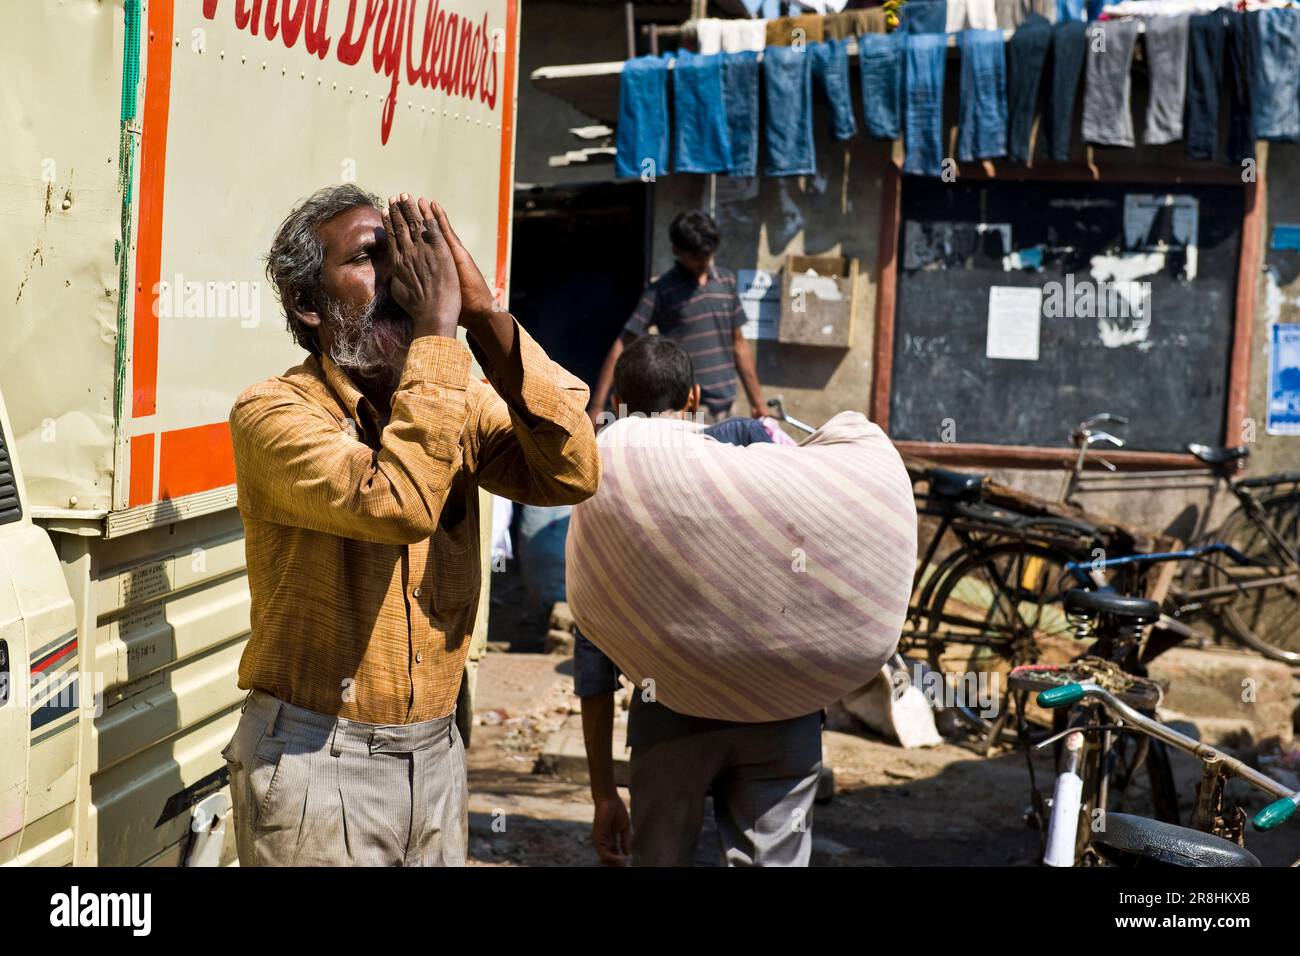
147,173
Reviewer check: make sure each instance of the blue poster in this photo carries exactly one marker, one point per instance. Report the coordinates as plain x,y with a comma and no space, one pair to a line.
1286,236
1284,381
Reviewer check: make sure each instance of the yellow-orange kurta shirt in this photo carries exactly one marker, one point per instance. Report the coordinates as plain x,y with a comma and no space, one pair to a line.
363,544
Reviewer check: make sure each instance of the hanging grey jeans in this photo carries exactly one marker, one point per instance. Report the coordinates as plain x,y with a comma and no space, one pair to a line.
764,779
310,789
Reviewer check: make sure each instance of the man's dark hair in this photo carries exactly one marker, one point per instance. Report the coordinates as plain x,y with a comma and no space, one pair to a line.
294,264
694,233
653,375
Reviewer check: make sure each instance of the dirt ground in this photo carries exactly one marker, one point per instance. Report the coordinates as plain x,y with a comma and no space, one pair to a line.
944,805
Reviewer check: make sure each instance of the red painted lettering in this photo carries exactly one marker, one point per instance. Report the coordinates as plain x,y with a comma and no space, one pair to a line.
317,40
349,49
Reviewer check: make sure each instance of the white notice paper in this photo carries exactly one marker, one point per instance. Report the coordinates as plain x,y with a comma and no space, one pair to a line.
760,299
1015,314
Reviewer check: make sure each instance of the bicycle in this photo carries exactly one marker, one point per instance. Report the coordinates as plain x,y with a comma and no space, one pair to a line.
1217,836
1257,595
1096,760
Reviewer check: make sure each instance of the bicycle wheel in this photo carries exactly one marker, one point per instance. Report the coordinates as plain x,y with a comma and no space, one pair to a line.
995,605
1264,617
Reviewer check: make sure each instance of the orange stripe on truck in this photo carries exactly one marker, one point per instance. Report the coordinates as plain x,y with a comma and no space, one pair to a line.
141,482
506,188
195,459
148,255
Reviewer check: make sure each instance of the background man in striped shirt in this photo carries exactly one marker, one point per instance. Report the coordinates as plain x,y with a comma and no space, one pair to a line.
695,304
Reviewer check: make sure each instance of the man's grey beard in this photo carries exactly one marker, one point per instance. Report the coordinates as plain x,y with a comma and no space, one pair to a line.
370,344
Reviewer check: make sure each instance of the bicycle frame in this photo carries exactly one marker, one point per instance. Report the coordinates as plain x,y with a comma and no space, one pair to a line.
1212,477
1217,767
1185,601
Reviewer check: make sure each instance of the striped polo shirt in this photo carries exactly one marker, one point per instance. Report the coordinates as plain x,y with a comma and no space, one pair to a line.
702,319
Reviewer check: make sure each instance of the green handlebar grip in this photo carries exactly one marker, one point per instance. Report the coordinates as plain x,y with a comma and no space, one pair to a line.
1061,696
1275,814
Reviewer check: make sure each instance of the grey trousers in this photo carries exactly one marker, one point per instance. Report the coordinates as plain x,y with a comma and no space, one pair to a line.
1107,114
764,779
1166,50
310,789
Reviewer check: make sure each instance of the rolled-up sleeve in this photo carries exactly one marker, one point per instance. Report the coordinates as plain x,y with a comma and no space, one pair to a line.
539,448
594,674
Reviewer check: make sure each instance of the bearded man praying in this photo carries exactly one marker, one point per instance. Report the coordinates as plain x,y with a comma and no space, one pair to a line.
358,474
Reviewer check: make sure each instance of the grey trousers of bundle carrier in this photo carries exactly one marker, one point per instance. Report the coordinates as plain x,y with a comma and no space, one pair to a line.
311,789
764,779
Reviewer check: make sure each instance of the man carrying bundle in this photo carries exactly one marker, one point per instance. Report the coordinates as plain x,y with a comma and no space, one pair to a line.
740,590
763,775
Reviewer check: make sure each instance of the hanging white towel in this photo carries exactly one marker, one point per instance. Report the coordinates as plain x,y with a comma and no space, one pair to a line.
823,6
1163,8
971,15
741,35
708,34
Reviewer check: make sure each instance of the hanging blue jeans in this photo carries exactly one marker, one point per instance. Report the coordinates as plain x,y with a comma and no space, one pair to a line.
1070,11
740,96
642,139
700,140
982,130
1275,35
830,63
1239,60
1205,36
1069,48
787,85
1026,54
924,55
880,64
924,16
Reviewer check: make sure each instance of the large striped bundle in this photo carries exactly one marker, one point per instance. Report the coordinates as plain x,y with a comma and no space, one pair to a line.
748,584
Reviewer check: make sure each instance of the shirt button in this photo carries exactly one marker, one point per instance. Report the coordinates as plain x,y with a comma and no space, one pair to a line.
415,593
419,657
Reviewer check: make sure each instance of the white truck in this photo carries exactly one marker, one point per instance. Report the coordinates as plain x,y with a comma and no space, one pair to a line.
150,151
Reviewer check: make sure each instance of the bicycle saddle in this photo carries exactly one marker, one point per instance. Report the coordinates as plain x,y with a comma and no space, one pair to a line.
955,484
1087,604
1218,456
1129,840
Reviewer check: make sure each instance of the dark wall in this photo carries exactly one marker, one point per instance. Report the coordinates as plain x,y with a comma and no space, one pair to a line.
556,34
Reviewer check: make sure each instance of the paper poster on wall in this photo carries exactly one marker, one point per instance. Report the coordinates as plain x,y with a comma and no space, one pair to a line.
760,298
1284,381
1015,316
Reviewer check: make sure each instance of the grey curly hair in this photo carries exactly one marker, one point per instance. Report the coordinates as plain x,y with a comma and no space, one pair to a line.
294,264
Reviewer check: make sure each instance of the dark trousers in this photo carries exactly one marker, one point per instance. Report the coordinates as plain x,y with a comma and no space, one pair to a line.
1205,35
1069,45
764,779
1026,55
1241,101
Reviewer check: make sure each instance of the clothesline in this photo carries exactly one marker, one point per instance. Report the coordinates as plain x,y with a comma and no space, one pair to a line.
715,121
616,66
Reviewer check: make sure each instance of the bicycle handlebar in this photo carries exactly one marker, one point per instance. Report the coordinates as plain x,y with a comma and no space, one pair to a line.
779,414
1104,418
1273,815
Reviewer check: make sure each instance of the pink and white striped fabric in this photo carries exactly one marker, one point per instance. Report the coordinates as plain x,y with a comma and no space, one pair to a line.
748,584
